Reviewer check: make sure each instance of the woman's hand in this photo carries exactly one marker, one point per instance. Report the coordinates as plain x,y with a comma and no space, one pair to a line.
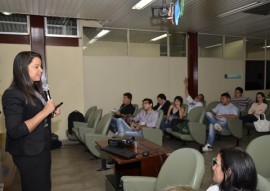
49,107
56,112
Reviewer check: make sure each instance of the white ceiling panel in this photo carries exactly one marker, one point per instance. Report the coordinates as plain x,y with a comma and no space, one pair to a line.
199,15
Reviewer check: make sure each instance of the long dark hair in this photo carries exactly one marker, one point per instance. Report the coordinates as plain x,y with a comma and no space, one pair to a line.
239,170
262,94
21,78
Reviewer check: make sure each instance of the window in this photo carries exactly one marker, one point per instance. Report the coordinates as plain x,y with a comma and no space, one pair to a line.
254,75
210,46
65,27
104,42
14,24
177,45
147,43
267,75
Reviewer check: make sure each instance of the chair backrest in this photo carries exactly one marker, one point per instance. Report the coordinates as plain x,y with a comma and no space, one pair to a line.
183,167
263,184
136,106
211,105
160,117
94,119
89,113
186,108
258,149
138,111
196,114
104,124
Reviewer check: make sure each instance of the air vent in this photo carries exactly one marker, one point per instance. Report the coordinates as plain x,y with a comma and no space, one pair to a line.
62,27
261,10
13,24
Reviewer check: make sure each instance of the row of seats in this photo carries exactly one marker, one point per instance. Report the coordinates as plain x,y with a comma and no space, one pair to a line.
189,166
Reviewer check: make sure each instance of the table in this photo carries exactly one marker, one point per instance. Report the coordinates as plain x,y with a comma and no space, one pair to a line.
140,165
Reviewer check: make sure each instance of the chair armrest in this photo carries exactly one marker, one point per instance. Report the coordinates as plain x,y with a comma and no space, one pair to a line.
77,124
90,142
235,127
153,135
197,132
83,131
138,183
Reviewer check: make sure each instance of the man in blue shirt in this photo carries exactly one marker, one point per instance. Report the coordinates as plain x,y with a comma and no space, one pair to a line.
218,118
147,118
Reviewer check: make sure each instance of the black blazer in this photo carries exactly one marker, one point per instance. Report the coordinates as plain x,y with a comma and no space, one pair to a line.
165,107
19,141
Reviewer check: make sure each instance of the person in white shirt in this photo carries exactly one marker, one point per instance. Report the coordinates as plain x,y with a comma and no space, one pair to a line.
192,103
233,169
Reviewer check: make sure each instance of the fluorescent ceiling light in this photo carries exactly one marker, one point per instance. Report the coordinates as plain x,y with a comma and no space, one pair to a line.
240,9
212,46
102,33
99,35
142,4
92,41
267,46
159,37
7,13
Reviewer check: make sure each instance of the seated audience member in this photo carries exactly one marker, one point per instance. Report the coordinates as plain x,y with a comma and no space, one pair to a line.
179,188
218,118
233,170
257,108
162,104
176,111
196,102
125,109
239,100
147,118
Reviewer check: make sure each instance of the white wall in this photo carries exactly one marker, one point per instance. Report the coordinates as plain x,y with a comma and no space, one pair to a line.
107,78
7,55
65,77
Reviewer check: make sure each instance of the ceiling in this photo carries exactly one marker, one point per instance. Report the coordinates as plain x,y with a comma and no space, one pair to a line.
199,15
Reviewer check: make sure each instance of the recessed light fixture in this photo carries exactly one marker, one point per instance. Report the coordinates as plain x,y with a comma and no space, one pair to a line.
267,46
142,4
159,37
240,9
6,13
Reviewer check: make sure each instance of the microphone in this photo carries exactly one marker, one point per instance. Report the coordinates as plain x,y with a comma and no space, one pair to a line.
45,86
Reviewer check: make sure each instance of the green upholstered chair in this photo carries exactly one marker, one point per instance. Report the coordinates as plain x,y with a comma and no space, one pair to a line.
87,117
136,106
91,125
137,111
263,184
183,167
76,124
235,128
258,149
196,127
99,133
154,134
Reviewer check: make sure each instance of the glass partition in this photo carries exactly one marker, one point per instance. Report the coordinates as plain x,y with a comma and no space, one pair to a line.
210,46
177,45
147,43
233,47
255,49
267,50
104,42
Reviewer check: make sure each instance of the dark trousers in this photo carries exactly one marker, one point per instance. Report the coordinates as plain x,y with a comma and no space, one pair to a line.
35,171
249,118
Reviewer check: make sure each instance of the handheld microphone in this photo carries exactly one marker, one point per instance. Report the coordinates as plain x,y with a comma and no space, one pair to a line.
45,87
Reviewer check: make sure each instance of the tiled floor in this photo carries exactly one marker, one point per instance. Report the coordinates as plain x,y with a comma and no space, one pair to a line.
72,168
